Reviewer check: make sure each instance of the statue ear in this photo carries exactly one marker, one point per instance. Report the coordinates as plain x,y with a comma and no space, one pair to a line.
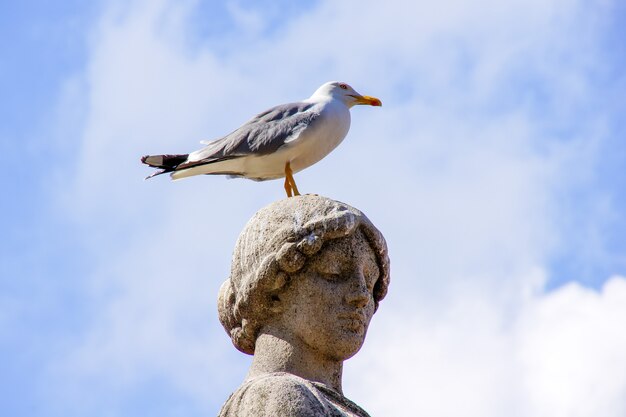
276,298
276,304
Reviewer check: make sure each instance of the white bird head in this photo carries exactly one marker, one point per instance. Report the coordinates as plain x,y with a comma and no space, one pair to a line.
344,93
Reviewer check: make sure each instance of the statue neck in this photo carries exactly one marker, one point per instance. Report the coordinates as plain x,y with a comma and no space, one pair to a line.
274,352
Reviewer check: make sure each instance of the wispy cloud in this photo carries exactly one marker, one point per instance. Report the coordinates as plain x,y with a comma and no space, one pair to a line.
489,114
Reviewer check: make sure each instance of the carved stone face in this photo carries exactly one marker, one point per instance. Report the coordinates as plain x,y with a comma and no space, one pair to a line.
329,303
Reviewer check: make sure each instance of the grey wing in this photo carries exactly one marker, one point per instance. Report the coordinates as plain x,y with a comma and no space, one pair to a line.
263,134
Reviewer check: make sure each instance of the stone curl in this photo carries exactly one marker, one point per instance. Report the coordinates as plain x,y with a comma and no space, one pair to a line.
276,243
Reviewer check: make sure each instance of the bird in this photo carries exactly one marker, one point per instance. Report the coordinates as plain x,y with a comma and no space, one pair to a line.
276,143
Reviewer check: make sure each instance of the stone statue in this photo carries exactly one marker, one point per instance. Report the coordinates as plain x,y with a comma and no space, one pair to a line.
307,276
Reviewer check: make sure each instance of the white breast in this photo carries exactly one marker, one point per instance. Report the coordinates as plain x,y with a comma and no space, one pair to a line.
313,144
319,139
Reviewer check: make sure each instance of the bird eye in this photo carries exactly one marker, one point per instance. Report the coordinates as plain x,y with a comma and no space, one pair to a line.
343,86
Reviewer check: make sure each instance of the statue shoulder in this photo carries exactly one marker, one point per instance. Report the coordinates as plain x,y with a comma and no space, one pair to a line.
276,394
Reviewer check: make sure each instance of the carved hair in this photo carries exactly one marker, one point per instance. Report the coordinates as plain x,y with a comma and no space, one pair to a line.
276,243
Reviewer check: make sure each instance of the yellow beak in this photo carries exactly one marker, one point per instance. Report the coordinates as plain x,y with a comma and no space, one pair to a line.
372,101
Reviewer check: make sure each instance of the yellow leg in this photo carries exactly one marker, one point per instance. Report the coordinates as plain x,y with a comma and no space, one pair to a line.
290,182
287,187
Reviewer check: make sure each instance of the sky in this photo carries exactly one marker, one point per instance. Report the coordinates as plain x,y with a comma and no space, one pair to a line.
494,169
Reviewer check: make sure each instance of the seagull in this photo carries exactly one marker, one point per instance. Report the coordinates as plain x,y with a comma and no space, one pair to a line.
274,144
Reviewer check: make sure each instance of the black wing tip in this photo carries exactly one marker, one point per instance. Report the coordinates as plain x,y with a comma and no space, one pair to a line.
164,163
150,160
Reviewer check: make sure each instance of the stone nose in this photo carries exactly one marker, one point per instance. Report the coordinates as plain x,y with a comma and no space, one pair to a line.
359,295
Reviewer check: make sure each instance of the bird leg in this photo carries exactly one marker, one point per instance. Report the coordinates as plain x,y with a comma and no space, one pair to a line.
287,187
290,183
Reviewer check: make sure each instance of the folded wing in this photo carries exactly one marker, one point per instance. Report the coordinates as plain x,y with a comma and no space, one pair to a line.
264,134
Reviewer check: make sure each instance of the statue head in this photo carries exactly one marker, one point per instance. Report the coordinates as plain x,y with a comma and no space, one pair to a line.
290,240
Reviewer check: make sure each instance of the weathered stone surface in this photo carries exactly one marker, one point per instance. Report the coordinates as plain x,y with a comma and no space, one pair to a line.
307,276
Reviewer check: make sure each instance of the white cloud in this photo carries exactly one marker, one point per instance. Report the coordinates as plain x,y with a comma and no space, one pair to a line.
460,169
572,347
555,354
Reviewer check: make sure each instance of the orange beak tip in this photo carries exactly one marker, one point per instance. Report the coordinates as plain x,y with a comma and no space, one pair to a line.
372,101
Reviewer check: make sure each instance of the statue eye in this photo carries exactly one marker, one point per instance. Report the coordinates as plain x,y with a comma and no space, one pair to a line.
331,276
343,86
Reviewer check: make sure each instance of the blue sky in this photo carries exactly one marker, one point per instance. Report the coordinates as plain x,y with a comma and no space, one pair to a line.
494,169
